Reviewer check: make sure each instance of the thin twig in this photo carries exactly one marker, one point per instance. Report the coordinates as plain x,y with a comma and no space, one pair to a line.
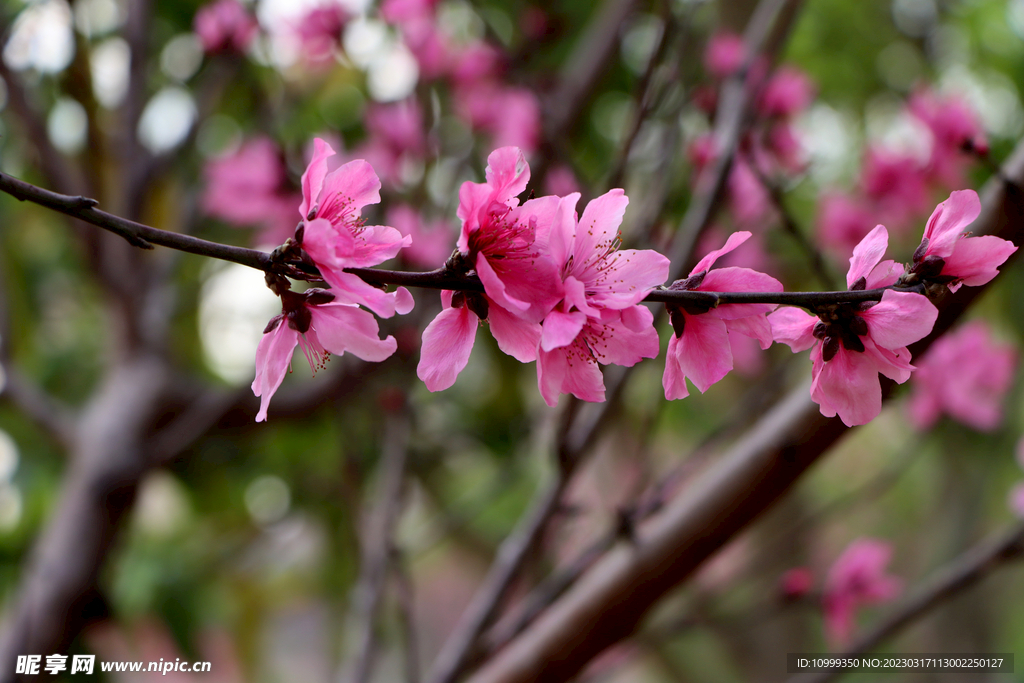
406,614
145,237
955,577
377,544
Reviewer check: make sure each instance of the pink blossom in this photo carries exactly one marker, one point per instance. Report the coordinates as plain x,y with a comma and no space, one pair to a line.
319,32
896,185
502,241
598,319
475,63
448,339
511,116
947,251
842,223
748,197
335,237
320,326
561,181
858,341
224,26
395,135
954,127
796,582
431,242
498,237
724,55
857,578
965,374
699,349
787,93
247,188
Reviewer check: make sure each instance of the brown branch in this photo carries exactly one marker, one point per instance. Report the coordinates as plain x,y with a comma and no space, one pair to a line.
49,414
608,603
376,542
955,577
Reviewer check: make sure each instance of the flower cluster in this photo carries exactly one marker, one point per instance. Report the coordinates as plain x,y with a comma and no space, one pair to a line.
554,287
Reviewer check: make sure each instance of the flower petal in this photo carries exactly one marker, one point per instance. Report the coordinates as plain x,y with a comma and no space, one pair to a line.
976,260
867,254
313,178
847,385
794,327
561,329
345,327
735,240
507,173
899,319
703,350
516,337
598,228
273,355
949,220
447,344
348,189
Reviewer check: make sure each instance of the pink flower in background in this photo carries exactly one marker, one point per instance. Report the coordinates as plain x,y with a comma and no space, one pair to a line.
796,583
314,321
965,374
699,349
429,45
319,32
896,186
431,242
224,26
724,55
858,341
335,237
598,319
954,126
561,181
499,236
947,251
395,135
748,198
476,63
247,188
787,93
511,116
857,578
843,222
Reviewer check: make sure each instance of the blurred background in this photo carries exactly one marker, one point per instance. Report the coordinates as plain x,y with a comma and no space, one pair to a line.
343,538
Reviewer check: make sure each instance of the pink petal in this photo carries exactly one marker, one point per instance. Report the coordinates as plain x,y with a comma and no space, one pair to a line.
753,326
349,188
273,355
351,289
674,380
884,274
515,336
563,230
626,277
614,343
899,319
576,296
447,344
598,228
555,375
735,240
847,385
474,200
561,329
867,254
536,284
976,260
923,409
703,351
345,327
495,288
893,363
949,220
313,178
540,213
403,301
794,327
507,173
637,318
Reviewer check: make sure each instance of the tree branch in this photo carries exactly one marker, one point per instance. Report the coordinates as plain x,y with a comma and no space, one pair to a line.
957,576
608,603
